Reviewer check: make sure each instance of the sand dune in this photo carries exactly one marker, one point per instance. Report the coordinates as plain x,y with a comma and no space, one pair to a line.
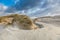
49,32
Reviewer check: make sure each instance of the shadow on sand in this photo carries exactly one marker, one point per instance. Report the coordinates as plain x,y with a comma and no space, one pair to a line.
39,25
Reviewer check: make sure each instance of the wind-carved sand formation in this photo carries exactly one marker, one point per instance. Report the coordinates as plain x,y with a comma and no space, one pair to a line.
23,21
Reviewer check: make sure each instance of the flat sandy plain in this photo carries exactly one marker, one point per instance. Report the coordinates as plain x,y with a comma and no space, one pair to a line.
50,31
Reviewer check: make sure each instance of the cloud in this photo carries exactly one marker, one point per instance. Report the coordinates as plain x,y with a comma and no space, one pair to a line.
36,7
24,4
3,7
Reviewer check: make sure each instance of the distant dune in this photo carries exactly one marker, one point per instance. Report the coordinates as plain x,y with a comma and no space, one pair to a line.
55,20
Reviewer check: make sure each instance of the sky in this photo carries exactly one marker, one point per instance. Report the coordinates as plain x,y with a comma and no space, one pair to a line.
32,7
4,4
7,2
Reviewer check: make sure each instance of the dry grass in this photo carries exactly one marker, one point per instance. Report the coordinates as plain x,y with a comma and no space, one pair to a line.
22,20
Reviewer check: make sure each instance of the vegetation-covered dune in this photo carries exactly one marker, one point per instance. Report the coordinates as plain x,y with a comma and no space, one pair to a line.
22,20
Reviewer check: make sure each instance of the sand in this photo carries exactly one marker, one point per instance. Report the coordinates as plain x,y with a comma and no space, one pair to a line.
49,32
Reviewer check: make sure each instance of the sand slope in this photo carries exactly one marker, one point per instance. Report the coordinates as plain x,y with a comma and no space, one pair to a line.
49,32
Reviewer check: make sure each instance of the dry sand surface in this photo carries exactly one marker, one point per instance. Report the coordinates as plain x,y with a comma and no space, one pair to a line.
49,32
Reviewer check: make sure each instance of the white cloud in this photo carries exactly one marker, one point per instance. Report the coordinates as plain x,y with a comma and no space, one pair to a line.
33,10
3,7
